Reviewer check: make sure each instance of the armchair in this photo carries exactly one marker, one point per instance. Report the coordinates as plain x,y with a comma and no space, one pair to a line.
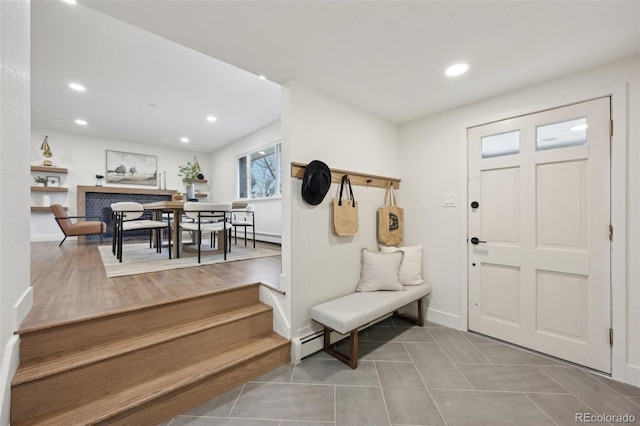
82,227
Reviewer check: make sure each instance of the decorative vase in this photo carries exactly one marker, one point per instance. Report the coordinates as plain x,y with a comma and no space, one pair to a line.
191,191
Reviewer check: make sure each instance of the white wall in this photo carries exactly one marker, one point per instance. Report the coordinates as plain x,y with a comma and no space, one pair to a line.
223,179
433,162
85,157
319,127
15,116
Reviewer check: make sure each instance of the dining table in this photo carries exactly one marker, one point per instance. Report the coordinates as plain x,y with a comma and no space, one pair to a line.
176,208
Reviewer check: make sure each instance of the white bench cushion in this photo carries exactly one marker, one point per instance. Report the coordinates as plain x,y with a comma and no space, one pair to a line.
355,310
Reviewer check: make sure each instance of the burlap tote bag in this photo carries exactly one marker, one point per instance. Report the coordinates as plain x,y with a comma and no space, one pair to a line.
345,212
390,220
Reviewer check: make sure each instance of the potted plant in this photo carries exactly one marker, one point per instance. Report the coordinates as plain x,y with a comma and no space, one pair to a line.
40,180
190,172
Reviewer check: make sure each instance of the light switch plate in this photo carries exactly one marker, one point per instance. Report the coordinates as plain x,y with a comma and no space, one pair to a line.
449,200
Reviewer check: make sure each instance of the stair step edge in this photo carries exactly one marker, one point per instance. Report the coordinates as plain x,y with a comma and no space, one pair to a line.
173,381
41,368
128,310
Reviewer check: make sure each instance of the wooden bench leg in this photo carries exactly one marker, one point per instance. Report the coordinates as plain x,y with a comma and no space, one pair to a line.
352,359
417,321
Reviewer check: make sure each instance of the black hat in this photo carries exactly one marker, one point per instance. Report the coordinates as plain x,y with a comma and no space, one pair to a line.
316,182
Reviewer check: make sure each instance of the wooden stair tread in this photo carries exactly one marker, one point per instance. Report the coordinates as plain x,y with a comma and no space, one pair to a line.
130,398
41,368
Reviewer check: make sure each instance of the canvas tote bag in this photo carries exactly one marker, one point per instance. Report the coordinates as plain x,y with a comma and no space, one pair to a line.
345,212
390,220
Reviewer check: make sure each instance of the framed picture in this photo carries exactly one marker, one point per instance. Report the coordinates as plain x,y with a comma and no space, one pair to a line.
53,181
131,169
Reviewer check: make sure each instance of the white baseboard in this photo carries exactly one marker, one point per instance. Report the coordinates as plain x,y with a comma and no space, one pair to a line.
632,376
10,362
443,318
49,237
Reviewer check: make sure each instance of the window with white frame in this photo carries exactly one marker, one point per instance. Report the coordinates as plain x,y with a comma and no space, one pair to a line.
259,173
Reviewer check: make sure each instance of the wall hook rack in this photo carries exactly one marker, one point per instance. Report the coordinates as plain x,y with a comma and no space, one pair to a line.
356,178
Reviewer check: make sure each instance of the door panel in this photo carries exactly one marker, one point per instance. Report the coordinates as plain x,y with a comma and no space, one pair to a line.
500,196
540,276
561,204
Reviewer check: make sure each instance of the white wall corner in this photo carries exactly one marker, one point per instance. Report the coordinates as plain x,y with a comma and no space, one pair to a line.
10,362
23,305
281,324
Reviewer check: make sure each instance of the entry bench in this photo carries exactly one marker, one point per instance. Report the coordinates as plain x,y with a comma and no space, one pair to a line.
348,314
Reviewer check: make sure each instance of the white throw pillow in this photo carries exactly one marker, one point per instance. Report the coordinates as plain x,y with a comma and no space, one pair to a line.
411,267
379,271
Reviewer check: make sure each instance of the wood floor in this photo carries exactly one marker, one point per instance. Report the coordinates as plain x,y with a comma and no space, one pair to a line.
69,282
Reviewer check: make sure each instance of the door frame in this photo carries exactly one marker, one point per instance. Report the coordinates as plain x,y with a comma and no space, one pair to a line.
618,203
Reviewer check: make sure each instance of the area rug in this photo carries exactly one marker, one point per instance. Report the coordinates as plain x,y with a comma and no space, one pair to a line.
140,259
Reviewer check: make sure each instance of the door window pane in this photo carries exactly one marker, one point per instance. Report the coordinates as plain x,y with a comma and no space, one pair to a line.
500,144
561,135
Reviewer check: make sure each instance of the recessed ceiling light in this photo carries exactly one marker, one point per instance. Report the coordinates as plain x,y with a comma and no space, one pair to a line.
70,1
456,69
152,105
184,140
81,122
579,127
211,118
77,87
261,152
262,77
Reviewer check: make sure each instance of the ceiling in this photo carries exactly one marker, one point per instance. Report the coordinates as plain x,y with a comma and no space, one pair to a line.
386,57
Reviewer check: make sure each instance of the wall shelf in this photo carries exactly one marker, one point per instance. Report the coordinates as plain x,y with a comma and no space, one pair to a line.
48,169
48,189
195,181
43,209
356,178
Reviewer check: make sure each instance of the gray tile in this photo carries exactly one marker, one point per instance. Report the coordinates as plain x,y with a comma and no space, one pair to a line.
406,397
281,374
592,392
457,347
435,367
378,351
516,378
432,324
217,407
286,402
634,399
561,408
297,423
217,421
388,322
476,338
621,388
479,408
360,406
500,353
399,334
334,372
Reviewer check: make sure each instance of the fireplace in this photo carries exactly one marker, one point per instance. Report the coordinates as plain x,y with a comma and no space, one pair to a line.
96,201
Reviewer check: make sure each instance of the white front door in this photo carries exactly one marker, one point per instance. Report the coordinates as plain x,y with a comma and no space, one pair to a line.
539,245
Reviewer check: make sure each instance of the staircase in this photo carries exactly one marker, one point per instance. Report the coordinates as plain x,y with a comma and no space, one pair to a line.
146,365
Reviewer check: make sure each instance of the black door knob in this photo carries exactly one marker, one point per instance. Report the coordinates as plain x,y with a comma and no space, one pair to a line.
476,240
475,204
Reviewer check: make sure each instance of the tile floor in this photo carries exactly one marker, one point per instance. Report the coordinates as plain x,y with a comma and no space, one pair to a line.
428,375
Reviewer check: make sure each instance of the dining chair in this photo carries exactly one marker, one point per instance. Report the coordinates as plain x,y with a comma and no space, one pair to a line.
80,227
244,218
208,217
131,216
